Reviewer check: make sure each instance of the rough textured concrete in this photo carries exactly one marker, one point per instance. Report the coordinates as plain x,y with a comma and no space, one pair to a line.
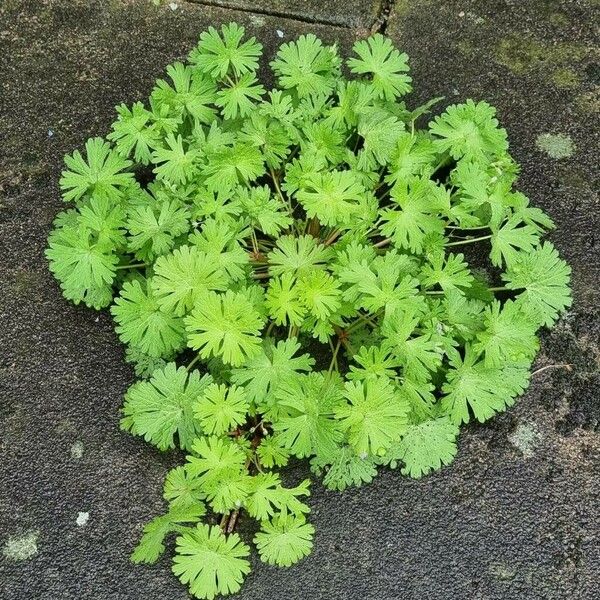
348,13
515,517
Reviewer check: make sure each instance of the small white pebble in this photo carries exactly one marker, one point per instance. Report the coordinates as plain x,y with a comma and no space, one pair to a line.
82,519
50,133
96,319
461,14
279,33
173,6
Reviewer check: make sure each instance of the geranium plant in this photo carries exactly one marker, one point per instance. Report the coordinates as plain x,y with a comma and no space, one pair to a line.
288,271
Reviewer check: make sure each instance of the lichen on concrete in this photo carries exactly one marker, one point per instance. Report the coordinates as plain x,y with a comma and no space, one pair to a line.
502,572
555,145
525,438
22,546
589,102
77,449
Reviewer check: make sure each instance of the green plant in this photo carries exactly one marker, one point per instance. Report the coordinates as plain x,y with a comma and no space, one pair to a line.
289,283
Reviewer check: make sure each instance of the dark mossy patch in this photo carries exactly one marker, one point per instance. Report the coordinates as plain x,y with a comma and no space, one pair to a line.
25,284
524,54
589,102
592,72
566,78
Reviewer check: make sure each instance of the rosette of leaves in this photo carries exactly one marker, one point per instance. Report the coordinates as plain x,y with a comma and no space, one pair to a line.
291,271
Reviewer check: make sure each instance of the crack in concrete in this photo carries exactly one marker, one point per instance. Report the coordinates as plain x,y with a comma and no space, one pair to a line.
381,22
379,25
268,13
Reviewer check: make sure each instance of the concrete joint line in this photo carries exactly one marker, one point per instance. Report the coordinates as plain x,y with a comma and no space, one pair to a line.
268,13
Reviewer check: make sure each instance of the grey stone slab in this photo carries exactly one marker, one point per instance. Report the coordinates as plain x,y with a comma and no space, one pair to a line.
348,13
515,517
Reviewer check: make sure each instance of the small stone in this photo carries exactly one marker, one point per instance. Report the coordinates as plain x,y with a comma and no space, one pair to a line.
82,519
555,145
77,449
96,319
279,33
461,14
173,6
21,547
50,133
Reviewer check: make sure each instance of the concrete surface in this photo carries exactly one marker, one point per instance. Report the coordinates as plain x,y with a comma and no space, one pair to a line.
347,13
515,517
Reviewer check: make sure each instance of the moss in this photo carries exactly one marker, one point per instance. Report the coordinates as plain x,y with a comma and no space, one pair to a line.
519,56
566,78
11,5
402,7
523,55
555,145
